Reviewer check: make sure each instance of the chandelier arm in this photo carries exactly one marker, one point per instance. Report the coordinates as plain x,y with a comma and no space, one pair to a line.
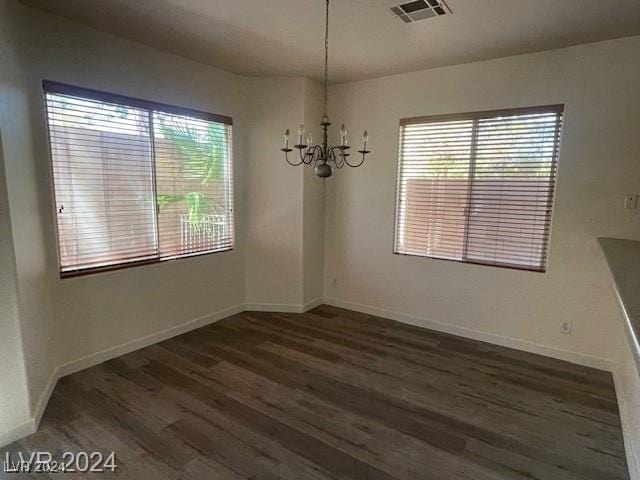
356,165
314,155
286,157
337,157
341,155
303,154
342,158
307,156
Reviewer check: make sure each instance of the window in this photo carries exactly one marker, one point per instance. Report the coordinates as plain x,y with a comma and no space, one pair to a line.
478,187
135,181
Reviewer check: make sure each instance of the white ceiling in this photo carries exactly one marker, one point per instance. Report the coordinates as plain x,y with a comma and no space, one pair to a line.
285,37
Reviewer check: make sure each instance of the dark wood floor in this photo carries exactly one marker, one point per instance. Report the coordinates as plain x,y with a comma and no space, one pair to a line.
336,394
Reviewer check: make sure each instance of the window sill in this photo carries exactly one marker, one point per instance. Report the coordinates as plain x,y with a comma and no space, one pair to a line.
477,263
129,265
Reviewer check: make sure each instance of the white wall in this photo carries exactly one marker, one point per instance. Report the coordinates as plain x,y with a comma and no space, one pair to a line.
53,325
599,163
285,244
274,194
66,324
313,217
14,399
285,204
26,356
102,311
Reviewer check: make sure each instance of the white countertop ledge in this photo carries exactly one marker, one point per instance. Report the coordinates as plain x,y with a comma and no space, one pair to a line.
623,257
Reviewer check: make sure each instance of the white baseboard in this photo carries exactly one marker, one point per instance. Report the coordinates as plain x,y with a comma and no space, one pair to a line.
273,307
504,341
283,307
30,426
312,304
631,449
88,361
119,350
44,397
96,358
16,433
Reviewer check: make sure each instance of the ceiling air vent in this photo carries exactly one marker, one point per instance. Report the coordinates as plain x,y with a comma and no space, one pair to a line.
420,10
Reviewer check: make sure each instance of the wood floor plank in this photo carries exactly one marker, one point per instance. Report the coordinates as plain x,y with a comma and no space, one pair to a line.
359,436
334,394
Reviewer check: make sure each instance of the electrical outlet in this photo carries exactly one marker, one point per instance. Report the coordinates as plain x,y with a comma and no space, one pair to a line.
631,201
565,327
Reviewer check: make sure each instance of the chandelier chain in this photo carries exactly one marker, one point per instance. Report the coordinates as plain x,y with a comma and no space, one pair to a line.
324,157
326,58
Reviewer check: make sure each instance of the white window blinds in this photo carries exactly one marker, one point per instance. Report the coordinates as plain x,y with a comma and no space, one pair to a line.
135,181
478,187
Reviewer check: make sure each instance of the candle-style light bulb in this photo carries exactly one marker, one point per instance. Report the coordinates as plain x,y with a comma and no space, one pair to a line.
365,139
309,139
300,133
343,135
287,133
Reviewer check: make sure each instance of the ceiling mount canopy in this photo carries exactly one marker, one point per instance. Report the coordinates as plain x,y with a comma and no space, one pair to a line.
324,157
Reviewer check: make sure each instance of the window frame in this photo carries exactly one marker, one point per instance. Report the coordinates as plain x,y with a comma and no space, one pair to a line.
52,87
558,109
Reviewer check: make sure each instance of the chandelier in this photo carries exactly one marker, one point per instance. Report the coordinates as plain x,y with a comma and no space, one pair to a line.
324,157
